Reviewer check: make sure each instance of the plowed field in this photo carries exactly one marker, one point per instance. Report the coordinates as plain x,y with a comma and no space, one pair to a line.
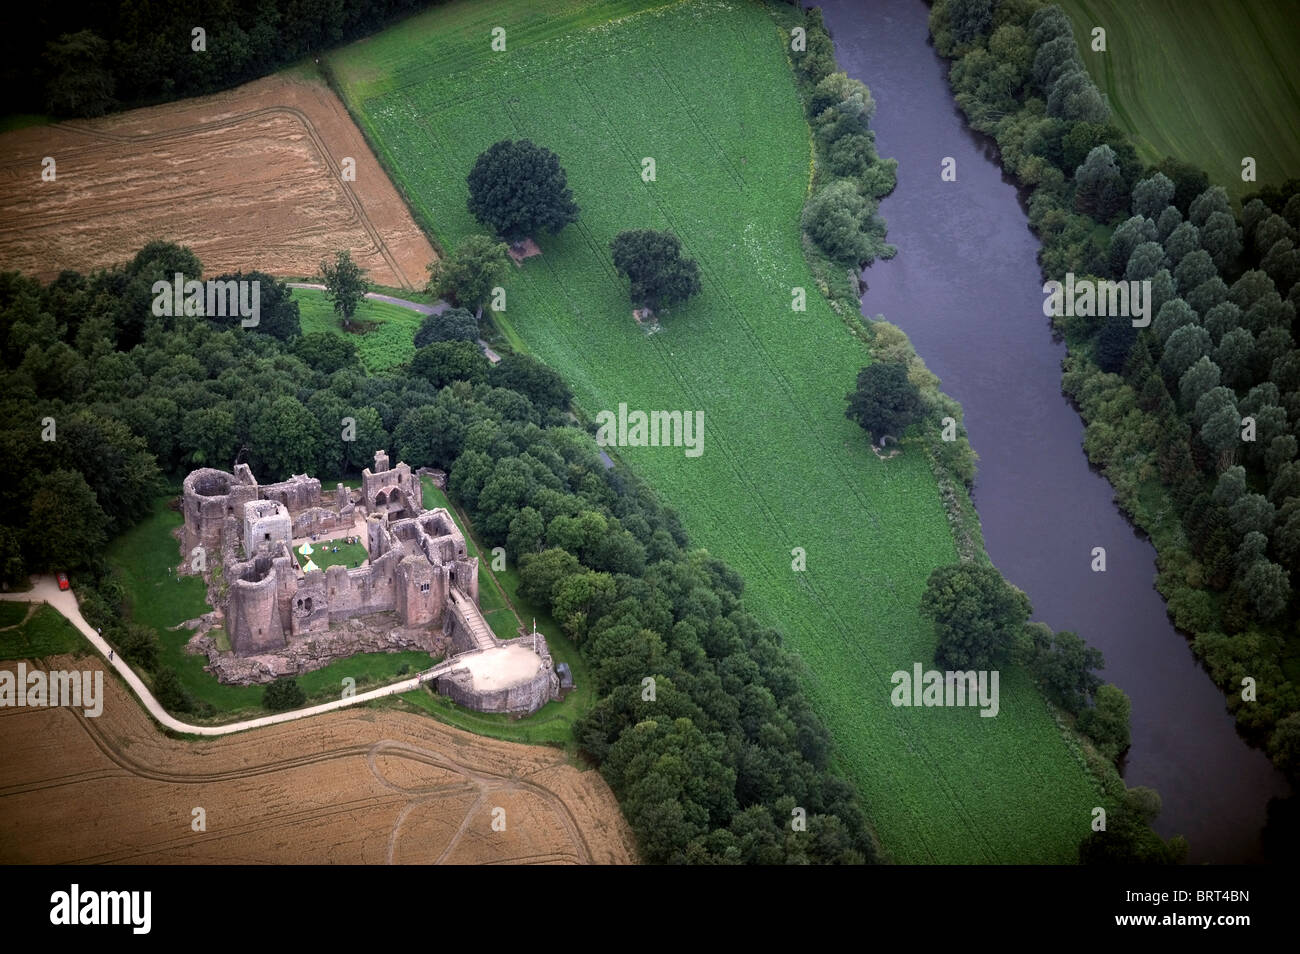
250,179
360,786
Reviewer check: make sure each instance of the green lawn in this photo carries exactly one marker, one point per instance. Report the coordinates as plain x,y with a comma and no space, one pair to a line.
1207,82
323,555
386,336
46,633
705,90
13,612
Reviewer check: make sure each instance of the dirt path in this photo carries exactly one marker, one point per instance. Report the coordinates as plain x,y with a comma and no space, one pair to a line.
46,590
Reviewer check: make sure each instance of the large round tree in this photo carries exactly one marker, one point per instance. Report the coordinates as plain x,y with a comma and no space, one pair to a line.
518,188
885,402
653,263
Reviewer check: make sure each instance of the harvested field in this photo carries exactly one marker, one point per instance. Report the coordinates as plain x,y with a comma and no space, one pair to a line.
249,178
360,786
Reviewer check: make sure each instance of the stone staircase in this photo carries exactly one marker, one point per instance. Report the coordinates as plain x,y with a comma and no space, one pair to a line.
469,615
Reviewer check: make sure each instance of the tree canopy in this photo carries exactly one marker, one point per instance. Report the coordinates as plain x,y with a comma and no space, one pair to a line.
518,188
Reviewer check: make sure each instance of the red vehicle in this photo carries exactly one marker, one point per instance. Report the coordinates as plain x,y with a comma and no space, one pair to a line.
63,580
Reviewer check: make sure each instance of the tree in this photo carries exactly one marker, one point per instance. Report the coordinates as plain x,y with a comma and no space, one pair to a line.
345,284
326,352
518,188
454,324
1221,237
1183,349
1074,98
970,19
284,438
1114,342
282,694
1099,185
1153,195
1182,241
1200,378
1269,588
885,402
540,572
277,311
469,274
1107,722
170,692
1063,664
843,224
577,597
444,362
66,526
1284,745
81,84
652,262
1189,181
523,373
1128,838
977,615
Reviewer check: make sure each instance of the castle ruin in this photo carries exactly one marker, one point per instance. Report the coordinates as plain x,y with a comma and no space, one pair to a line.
417,571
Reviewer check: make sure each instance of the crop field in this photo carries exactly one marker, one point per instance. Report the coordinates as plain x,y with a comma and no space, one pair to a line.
250,179
368,785
1206,82
387,335
704,89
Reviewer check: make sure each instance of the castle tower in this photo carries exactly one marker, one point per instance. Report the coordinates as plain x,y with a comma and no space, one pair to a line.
381,462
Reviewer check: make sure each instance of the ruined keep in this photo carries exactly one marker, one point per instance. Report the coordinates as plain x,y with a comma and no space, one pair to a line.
416,557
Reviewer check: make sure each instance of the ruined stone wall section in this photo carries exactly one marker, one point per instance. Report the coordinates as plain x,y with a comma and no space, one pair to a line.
298,493
252,614
458,686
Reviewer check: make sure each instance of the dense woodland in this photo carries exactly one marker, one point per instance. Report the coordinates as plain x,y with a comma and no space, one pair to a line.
86,58
1197,415
711,769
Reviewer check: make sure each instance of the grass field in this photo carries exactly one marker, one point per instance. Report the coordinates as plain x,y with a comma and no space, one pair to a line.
1207,82
705,89
45,633
323,555
389,330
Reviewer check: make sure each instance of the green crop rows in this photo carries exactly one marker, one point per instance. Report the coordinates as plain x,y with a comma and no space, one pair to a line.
704,89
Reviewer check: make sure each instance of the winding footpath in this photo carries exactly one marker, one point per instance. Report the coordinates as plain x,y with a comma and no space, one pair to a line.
46,590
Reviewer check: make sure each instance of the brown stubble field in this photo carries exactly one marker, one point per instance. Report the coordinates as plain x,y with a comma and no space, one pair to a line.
249,179
357,786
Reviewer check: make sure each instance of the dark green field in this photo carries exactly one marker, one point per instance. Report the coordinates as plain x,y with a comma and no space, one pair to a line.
1206,81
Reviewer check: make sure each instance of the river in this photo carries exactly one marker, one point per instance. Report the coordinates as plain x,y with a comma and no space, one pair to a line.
966,288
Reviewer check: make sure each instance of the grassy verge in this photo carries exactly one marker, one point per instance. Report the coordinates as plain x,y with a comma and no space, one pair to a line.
45,633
